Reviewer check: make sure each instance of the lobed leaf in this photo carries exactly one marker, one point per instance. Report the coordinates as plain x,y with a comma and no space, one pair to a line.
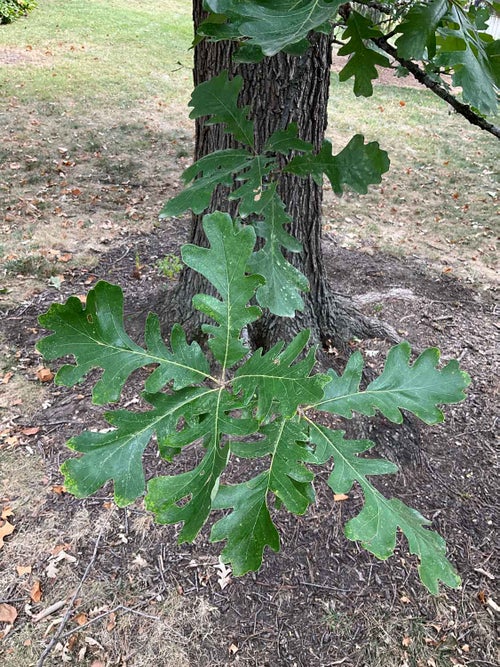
418,30
218,168
284,141
197,487
274,377
471,70
224,266
254,194
358,165
248,529
95,336
217,98
281,291
362,64
418,388
274,25
377,524
117,454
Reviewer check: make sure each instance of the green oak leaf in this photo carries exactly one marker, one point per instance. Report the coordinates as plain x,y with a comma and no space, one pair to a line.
253,194
248,529
281,291
364,59
275,25
493,54
95,336
217,168
217,98
471,70
224,266
418,29
418,388
117,454
377,524
274,377
284,442
358,165
198,485
284,141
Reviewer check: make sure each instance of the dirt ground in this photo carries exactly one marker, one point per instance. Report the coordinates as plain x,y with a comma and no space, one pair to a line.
120,588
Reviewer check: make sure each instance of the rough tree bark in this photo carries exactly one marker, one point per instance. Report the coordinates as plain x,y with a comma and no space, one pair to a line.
279,90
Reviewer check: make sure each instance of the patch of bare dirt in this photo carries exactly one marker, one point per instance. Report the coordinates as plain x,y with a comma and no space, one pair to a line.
322,601
23,56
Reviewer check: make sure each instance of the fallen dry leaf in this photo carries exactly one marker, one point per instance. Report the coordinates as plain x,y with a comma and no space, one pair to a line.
60,547
44,374
81,619
339,497
23,569
33,430
233,649
6,528
58,488
6,512
8,613
110,625
407,641
6,378
36,592
66,257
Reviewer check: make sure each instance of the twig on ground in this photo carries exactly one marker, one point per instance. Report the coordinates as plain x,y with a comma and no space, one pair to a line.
120,607
48,611
69,610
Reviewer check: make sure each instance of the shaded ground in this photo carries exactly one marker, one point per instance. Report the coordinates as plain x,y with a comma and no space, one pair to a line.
80,197
322,601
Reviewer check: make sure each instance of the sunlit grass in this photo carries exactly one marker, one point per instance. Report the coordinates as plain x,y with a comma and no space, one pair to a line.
96,52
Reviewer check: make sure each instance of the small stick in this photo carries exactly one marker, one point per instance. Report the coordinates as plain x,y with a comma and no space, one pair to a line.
50,610
127,610
66,616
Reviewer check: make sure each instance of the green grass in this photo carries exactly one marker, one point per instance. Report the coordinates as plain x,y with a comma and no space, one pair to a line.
98,52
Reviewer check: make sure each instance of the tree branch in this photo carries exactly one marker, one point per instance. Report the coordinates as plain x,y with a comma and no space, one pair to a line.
421,76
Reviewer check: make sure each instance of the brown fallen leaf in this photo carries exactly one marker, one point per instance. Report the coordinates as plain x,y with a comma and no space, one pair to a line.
81,619
58,488
6,528
8,613
44,374
6,378
36,592
6,512
66,257
339,497
110,625
407,641
23,569
33,430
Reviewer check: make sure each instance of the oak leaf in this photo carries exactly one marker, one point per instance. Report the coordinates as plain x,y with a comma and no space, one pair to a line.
6,528
8,613
36,592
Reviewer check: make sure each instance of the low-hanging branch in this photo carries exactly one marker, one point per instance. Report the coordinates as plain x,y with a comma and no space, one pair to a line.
424,78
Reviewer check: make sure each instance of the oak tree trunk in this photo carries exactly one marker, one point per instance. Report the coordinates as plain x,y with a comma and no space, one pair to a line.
279,90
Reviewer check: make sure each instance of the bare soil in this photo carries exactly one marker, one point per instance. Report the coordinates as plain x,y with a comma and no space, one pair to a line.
84,206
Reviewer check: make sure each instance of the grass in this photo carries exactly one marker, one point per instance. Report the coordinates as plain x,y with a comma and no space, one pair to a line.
109,52
440,198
